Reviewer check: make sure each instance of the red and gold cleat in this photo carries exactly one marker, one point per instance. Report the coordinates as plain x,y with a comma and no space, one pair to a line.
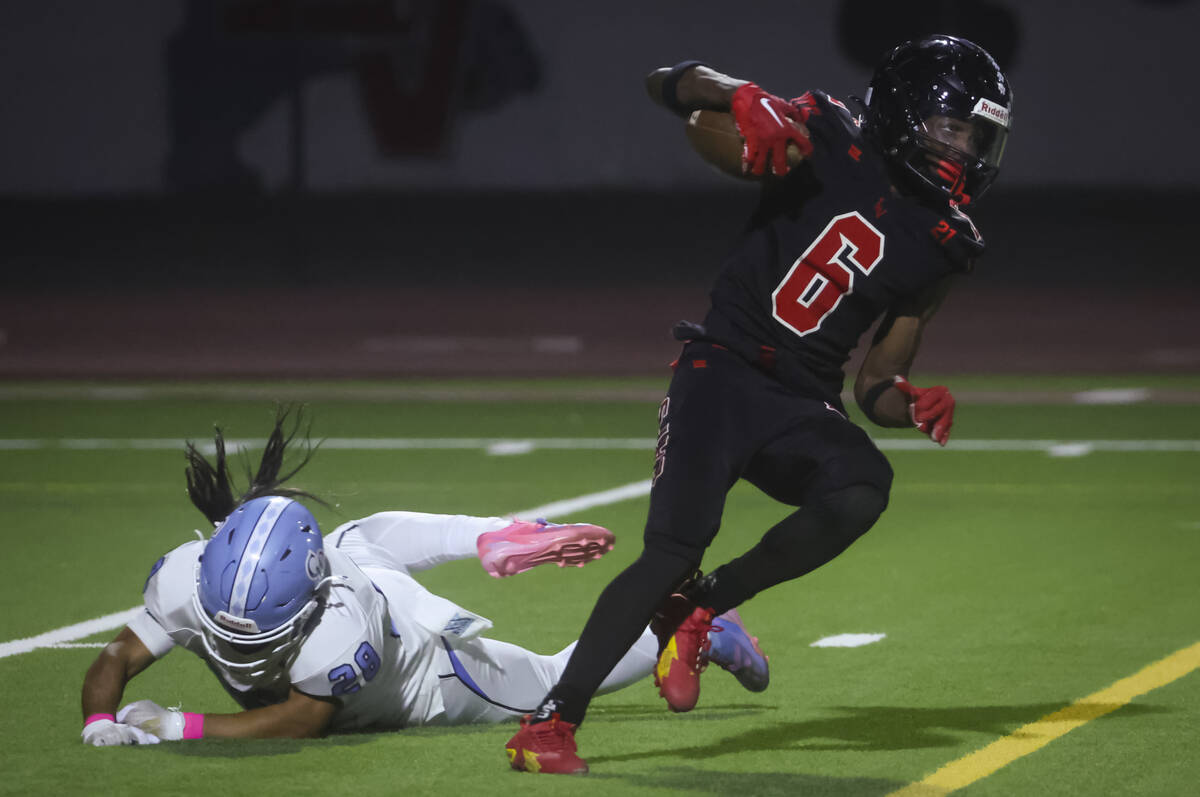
547,747
682,659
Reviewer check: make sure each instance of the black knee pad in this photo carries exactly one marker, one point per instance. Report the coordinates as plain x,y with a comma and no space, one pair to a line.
852,510
835,518
826,525
669,559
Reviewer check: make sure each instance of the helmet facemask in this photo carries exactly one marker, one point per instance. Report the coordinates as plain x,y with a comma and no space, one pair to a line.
954,158
251,655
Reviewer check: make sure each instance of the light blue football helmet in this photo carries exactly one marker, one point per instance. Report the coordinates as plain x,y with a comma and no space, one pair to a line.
259,582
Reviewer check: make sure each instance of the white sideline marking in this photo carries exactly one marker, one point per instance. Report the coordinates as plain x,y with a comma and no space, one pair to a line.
508,448
341,443
921,444
60,636
1128,395
501,445
603,498
1070,450
847,640
69,633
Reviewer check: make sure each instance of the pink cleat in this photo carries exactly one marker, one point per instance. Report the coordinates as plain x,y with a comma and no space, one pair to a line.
524,545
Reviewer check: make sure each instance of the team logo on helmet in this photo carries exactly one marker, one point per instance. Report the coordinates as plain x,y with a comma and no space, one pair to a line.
314,565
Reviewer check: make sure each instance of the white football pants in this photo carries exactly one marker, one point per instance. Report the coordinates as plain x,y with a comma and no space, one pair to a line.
482,680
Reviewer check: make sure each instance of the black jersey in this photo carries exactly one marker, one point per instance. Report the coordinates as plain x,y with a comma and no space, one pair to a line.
830,248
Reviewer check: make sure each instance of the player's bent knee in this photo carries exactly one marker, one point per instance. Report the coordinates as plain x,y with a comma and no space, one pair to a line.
664,555
852,510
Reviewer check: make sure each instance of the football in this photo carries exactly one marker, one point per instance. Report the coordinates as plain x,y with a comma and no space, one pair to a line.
715,137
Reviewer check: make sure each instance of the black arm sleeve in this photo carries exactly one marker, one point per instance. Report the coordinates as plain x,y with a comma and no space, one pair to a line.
671,81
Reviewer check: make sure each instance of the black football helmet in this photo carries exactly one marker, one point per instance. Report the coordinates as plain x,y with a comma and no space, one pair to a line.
940,109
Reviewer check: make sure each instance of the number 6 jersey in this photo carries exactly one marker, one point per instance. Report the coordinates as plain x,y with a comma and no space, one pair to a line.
830,248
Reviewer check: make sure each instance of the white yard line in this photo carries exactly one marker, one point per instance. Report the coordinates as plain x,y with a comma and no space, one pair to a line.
69,633
501,446
60,637
603,498
495,445
522,445
847,640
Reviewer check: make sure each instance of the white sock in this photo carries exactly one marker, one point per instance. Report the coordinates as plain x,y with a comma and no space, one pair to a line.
634,665
414,541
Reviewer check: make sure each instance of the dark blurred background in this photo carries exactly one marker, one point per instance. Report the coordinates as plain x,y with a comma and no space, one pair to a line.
363,188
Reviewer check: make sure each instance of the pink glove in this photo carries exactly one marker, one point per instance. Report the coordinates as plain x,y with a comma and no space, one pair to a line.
768,124
931,408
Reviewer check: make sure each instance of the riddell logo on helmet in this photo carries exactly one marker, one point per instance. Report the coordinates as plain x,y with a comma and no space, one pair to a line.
241,624
997,113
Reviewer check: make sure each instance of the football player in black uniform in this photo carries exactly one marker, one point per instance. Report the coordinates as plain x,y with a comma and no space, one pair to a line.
869,225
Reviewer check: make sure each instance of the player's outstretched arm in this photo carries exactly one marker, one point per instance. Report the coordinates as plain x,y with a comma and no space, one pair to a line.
117,664
301,716
767,125
692,86
882,389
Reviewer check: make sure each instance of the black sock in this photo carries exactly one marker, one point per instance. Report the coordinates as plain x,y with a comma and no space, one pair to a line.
720,590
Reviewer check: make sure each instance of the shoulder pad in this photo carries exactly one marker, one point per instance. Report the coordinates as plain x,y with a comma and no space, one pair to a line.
831,123
170,582
959,238
818,103
341,654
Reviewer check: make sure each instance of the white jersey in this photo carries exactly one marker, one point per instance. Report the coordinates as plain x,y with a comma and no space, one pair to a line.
390,652
377,649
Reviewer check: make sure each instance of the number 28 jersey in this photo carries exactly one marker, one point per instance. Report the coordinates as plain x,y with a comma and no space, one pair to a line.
830,248
376,648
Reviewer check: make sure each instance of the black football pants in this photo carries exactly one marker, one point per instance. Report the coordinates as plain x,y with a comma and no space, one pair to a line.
725,419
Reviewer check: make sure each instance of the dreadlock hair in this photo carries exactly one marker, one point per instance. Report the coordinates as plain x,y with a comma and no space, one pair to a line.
211,488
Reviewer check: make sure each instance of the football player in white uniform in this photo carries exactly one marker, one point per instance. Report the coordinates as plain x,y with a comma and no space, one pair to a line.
313,634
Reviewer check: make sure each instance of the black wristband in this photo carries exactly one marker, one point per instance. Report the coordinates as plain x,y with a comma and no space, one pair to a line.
671,82
867,405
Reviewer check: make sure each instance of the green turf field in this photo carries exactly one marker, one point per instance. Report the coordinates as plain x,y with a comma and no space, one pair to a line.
1012,576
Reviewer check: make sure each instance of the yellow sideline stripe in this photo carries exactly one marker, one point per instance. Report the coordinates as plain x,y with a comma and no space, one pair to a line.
1025,740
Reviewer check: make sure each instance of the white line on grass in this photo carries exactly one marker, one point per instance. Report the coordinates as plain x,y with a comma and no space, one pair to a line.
847,640
69,633
1070,450
1127,395
60,636
566,507
510,446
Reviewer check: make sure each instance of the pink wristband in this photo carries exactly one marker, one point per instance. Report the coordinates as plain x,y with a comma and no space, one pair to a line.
193,725
93,717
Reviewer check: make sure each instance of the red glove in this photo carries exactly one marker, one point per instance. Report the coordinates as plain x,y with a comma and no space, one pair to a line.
766,124
931,408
